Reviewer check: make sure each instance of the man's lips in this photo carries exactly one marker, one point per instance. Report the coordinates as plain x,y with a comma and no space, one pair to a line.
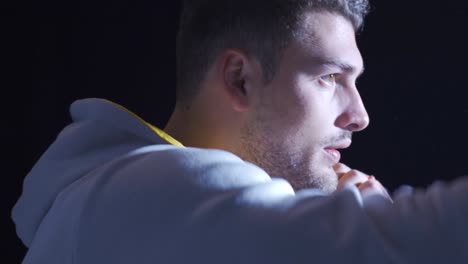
333,154
332,151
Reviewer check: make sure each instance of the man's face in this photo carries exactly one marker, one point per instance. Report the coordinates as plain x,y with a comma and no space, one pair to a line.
310,108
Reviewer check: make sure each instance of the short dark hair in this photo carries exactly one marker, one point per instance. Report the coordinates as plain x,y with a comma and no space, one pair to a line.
261,28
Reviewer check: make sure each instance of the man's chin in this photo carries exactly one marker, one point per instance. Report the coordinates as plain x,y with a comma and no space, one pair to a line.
326,181
329,188
331,182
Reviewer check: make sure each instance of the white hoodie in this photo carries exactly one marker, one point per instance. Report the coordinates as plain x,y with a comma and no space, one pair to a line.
111,190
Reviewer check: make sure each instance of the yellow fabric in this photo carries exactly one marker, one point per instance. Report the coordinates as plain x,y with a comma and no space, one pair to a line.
156,130
164,135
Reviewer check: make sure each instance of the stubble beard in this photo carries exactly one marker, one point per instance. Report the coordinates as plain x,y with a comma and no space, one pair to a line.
301,170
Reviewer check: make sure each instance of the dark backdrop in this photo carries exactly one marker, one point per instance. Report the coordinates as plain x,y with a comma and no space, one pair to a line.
415,85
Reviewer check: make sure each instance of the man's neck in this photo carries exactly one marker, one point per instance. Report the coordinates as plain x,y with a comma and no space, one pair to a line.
202,127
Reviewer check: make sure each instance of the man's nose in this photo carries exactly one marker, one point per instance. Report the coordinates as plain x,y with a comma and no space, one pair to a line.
354,117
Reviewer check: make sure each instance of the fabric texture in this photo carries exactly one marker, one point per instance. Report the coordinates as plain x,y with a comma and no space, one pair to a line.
111,190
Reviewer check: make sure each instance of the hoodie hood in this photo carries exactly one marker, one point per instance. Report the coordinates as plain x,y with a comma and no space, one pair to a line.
100,132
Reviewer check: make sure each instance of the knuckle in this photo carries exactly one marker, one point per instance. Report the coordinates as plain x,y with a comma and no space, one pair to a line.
338,166
369,185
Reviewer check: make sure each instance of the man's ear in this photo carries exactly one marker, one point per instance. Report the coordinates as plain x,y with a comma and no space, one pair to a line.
238,75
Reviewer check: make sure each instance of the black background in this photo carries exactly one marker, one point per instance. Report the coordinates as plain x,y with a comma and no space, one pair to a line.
414,88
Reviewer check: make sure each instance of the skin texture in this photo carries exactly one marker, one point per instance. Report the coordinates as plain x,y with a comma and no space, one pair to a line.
285,127
310,112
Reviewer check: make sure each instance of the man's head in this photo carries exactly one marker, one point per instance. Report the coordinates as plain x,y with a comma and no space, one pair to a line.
282,74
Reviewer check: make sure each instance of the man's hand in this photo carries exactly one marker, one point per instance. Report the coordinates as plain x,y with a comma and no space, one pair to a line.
367,184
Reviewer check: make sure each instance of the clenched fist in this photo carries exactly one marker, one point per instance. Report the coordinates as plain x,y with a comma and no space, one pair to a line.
366,184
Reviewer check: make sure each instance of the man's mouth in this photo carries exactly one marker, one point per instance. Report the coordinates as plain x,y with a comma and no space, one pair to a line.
332,151
333,154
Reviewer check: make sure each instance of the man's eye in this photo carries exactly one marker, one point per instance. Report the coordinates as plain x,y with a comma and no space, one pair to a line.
329,79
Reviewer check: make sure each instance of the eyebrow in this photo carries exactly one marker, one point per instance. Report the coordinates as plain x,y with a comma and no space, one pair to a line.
342,65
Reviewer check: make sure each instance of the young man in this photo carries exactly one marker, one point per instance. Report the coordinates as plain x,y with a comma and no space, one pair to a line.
247,169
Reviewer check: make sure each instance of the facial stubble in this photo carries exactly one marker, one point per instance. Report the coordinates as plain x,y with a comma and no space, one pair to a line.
301,168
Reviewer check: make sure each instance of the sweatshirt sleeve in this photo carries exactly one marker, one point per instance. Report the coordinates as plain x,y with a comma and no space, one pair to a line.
199,206
426,226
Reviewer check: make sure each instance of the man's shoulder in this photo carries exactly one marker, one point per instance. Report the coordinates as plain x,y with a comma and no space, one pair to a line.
219,168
